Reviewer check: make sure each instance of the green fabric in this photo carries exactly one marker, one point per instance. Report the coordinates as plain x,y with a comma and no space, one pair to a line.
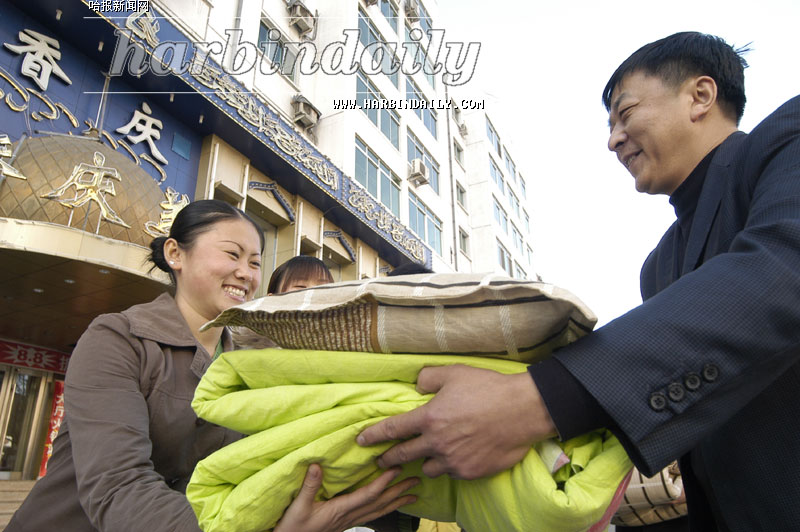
304,407
218,350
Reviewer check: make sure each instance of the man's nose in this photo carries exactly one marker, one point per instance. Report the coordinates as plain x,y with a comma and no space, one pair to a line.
616,138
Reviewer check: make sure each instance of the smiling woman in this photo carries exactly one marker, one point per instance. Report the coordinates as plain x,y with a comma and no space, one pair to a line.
129,440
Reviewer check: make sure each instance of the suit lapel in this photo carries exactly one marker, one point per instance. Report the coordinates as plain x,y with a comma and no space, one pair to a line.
708,203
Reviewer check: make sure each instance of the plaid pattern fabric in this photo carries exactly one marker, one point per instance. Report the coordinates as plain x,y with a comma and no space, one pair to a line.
652,500
450,313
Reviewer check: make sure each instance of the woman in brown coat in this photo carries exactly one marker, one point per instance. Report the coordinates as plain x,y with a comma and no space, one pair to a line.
130,440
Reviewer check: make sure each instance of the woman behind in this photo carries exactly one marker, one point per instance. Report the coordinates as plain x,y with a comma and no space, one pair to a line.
298,273
130,440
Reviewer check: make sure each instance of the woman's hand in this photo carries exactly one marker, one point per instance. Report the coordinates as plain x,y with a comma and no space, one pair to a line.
344,511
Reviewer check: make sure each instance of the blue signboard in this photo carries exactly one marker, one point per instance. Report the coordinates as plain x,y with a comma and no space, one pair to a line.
49,87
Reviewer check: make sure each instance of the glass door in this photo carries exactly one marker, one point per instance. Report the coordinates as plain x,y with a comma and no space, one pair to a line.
22,402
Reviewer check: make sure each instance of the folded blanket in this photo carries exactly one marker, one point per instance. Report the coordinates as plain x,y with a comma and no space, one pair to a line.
303,407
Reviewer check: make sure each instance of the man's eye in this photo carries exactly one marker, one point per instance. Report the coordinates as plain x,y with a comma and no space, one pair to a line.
255,264
233,254
625,113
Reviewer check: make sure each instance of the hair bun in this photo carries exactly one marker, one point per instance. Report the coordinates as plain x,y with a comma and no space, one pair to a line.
157,254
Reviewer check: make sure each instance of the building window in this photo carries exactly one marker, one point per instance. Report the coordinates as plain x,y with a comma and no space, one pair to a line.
421,56
387,120
276,49
463,241
494,138
522,187
390,12
459,153
370,35
377,178
417,151
424,19
504,259
424,223
517,237
530,256
457,116
500,216
512,198
461,195
527,223
512,170
520,273
428,116
497,176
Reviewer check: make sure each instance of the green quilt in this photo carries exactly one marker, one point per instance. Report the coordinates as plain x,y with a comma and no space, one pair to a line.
302,407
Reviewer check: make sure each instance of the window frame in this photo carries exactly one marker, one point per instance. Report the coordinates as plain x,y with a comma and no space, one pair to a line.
504,259
283,44
500,215
376,36
493,136
430,219
429,117
382,117
463,241
384,176
461,194
427,158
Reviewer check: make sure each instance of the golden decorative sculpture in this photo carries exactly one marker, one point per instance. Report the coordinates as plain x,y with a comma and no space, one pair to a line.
175,202
92,183
6,169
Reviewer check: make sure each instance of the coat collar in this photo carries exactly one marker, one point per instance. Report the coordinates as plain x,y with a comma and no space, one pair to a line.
148,321
710,196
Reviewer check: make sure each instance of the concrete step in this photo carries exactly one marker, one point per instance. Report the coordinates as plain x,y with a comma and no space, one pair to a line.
12,493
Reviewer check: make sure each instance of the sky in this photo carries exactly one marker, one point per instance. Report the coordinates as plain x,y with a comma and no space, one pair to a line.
542,69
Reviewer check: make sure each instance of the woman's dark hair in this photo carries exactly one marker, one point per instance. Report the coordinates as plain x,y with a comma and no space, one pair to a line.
194,219
409,268
301,267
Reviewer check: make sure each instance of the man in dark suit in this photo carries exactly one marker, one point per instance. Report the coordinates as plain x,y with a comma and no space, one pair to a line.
706,369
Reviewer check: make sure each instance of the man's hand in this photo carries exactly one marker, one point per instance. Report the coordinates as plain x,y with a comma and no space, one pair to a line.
479,423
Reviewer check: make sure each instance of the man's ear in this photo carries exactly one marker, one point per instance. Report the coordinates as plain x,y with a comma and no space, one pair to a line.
173,253
704,95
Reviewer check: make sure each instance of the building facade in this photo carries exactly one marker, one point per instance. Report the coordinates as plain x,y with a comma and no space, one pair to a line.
492,218
97,158
327,122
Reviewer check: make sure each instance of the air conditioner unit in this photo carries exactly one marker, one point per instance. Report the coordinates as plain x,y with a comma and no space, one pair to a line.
301,18
371,2
305,113
418,175
462,128
412,10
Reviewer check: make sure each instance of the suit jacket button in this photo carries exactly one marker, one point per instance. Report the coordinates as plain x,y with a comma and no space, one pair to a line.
199,422
676,391
692,381
658,401
710,372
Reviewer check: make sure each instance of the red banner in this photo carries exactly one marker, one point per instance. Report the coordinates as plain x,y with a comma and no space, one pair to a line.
30,356
56,415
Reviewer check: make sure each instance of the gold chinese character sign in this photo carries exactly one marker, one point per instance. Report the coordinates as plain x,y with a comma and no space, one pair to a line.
91,183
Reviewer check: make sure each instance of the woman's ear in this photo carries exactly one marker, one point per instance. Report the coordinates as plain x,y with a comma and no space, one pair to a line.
173,254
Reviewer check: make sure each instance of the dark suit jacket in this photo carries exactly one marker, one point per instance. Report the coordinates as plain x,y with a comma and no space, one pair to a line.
708,366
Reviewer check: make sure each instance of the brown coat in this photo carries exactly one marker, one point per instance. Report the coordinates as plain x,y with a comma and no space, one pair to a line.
130,440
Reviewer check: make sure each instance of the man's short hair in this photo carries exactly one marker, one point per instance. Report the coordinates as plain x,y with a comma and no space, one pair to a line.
683,55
